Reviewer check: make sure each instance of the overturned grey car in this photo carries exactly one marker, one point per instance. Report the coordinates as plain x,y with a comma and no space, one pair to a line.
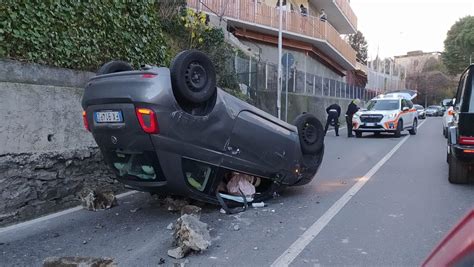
172,132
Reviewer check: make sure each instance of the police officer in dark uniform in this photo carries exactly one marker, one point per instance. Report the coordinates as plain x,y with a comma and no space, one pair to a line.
351,110
333,111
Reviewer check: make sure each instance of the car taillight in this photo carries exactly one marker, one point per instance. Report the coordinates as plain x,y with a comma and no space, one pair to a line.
464,140
450,112
84,119
147,119
148,75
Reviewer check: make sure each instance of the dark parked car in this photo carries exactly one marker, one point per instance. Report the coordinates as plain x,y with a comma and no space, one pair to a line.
171,131
461,133
434,111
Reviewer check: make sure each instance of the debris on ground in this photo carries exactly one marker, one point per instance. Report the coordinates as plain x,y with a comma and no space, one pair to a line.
162,261
170,226
190,234
84,242
98,200
135,210
78,261
236,227
191,210
258,205
174,203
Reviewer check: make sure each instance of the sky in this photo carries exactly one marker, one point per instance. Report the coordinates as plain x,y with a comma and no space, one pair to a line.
394,27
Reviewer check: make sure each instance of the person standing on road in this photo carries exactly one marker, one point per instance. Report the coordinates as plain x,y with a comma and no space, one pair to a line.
351,110
333,111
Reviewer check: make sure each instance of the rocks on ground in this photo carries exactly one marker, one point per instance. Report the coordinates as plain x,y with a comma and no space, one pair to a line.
190,235
78,262
98,200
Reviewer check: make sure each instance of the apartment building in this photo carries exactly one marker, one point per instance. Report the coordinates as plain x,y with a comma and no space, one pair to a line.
315,44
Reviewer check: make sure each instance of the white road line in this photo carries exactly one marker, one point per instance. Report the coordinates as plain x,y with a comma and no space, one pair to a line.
52,216
300,244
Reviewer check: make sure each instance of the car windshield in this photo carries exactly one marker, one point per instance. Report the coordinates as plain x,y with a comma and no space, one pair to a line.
418,107
383,105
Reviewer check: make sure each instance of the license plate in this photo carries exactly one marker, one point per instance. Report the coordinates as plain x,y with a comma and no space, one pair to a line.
108,116
370,124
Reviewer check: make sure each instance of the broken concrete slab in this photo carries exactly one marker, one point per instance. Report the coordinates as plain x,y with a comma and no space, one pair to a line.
191,210
190,234
174,203
96,200
78,262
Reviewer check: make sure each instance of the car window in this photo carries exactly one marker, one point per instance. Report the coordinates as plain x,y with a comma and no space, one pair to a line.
383,105
404,103
410,104
460,92
471,102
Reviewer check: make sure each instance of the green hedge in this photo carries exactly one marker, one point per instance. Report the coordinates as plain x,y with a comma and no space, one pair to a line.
81,34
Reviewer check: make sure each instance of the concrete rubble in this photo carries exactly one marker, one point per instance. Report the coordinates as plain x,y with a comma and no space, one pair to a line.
174,203
190,235
78,262
96,200
191,210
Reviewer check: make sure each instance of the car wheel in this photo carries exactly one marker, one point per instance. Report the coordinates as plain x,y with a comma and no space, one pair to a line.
458,171
310,132
114,66
398,131
193,77
414,129
358,134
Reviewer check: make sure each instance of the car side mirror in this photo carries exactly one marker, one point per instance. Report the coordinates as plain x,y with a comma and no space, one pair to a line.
405,108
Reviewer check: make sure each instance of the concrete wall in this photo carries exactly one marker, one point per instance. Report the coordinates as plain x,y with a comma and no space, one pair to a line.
46,155
299,103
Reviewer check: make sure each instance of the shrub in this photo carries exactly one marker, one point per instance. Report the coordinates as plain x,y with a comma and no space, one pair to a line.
82,34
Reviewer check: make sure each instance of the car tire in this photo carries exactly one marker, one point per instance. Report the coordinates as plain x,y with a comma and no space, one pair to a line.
398,131
414,128
358,134
193,77
310,132
114,66
458,171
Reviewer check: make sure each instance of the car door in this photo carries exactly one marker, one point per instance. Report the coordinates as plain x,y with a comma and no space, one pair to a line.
413,113
259,146
406,116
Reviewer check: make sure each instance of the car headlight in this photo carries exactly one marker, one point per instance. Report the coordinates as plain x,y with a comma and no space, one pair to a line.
392,116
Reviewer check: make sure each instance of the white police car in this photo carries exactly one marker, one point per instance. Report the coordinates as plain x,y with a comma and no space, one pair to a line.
392,112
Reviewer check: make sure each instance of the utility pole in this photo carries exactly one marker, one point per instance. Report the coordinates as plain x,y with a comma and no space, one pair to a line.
280,48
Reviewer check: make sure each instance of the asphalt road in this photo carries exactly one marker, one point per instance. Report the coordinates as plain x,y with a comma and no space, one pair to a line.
358,210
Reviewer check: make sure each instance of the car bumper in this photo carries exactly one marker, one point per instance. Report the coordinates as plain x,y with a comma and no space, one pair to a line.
382,126
463,153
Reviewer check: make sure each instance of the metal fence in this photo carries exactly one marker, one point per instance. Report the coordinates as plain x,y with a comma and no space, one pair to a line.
264,76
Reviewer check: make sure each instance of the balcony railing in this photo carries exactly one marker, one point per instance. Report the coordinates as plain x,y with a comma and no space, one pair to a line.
249,11
347,10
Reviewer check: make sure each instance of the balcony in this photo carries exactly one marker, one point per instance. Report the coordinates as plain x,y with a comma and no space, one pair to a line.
340,14
259,17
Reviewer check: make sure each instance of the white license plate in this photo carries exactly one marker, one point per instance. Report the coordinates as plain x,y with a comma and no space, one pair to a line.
108,116
370,124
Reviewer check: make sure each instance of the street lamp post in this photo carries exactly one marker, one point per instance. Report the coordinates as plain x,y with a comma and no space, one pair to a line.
280,41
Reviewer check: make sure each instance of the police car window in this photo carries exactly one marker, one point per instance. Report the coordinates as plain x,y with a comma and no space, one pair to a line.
383,105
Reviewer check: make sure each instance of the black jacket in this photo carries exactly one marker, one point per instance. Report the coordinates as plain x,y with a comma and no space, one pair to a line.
352,109
336,107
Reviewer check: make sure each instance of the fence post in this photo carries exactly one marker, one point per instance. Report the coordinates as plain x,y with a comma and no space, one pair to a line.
266,76
329,88
250,71
322,86
294,80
